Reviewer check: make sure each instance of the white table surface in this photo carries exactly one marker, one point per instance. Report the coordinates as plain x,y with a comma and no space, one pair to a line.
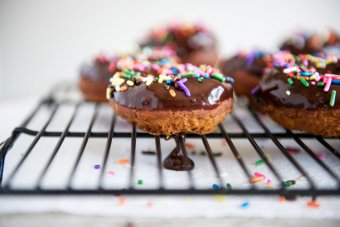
223,210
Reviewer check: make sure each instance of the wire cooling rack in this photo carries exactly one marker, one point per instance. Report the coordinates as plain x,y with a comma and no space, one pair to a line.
224,163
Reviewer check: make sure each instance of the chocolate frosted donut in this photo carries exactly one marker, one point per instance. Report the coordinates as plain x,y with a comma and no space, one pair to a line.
95,75
300,93
311,43
247,69
171,99
193,43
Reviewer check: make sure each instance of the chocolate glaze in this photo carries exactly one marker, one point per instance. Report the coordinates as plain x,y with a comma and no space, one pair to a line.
96,70
254,65
176,160
310,43
208,95
273,91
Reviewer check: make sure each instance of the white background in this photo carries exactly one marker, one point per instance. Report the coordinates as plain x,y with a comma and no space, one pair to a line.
44,41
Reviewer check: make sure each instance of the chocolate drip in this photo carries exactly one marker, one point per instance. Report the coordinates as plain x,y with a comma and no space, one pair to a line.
177,160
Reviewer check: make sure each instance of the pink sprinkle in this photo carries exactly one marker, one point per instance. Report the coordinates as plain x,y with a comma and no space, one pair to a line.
328,84
317,78
155,67
313,82
111,172
269,181
320,154
257,174
324,79
292,150
149,204
333,76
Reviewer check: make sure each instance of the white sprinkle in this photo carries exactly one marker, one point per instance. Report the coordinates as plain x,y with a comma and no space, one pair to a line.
287,92
291,69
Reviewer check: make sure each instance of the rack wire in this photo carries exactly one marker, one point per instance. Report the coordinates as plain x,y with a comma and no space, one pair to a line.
53,103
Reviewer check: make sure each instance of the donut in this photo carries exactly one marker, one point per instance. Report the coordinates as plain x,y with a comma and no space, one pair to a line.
247,68
311,43
168,99
95,75
193,43
300,93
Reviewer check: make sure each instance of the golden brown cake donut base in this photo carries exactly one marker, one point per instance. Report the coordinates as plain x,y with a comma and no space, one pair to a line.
170,122
93,91
318,122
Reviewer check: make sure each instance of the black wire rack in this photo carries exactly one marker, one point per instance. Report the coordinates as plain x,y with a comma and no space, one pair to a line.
53,104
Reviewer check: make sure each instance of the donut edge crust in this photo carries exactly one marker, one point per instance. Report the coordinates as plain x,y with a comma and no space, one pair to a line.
321,122
170,122
92,91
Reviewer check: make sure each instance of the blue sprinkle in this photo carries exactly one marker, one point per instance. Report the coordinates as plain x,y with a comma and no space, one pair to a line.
216,187
245,205
168,82
164,61
206,76
306,73
230,79
336,82
197,75
174,70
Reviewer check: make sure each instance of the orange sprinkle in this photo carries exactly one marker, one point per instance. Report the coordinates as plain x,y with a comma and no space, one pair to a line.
172,93
313,204
123,161
189,146
121,200
282,199
123,88
254,180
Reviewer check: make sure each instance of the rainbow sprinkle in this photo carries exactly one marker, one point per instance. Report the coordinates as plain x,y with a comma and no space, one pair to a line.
134,71
307,69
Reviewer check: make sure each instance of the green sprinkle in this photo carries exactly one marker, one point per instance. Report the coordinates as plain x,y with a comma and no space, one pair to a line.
304,82
333,97
200,79
259,162
140,182
290,81
288,183
137,74
320,84
229,188
182,75
219,77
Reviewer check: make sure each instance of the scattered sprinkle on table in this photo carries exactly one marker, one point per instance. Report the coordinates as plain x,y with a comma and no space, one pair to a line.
111,172
259,162
121,201
245,205
255,179
229,187
123,161
313,204
140,182
320,155
189,146
282,199
216,187
288,183
97,166
293,150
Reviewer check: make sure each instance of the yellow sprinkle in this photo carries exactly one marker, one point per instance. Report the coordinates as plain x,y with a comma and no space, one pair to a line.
116,80
172,93
130,83
220,197
108,92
